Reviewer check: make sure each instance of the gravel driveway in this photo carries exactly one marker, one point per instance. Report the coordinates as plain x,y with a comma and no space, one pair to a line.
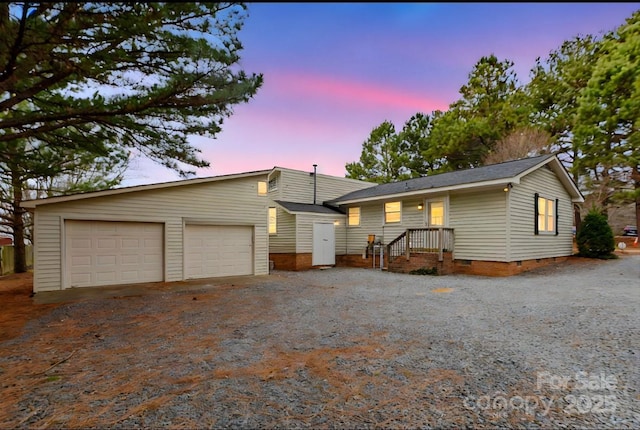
340,348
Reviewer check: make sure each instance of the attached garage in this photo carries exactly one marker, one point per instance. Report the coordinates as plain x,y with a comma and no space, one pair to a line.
99,253
196,228
215,250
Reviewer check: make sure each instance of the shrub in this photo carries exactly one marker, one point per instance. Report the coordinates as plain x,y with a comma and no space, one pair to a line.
424,271
595,237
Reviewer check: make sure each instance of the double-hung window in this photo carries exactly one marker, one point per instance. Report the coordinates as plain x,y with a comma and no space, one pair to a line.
546,215
353,215
392,212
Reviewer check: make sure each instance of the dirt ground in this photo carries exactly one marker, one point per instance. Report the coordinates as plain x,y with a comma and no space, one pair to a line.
285,351
17,305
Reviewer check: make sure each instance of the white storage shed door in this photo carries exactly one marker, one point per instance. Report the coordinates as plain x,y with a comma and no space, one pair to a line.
214,250
99,253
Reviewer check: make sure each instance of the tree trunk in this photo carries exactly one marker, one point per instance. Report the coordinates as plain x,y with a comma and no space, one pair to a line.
636,173
638,211
577,219
20,260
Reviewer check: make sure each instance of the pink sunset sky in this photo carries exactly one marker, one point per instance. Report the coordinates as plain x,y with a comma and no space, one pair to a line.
335,71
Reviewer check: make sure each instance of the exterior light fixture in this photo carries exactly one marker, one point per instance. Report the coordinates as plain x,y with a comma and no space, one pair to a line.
420,206
507,187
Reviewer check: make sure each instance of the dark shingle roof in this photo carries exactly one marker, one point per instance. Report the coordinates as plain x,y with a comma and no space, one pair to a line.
306,207
492,172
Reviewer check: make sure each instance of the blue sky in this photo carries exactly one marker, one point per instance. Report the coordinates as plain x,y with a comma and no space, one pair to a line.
335,71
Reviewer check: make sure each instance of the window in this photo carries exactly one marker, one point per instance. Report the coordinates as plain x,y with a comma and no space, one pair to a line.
435,210
273,184
545,215
392,212
273,225
436,213
262,188
354,216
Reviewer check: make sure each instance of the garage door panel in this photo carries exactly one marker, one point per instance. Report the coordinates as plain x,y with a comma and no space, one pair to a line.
152,259
152,243
106,227
106,260
81,243
213,251
79,227
81,260
130,243
81,278
110,253
106,244
106,277
130,259
129,276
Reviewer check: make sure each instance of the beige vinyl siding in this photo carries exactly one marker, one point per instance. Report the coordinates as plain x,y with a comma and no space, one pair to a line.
295,231
173,240
372,222
304,231
47,252
284,241
524,244
479,221
297,186
230,202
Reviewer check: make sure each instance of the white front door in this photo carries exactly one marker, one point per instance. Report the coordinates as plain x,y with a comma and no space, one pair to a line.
324,244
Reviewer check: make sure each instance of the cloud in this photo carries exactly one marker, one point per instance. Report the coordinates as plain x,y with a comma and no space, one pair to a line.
352,93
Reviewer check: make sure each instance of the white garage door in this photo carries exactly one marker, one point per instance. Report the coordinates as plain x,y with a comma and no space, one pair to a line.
213,250
111,253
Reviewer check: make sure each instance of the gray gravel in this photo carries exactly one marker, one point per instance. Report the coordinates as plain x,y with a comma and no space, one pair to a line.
347,348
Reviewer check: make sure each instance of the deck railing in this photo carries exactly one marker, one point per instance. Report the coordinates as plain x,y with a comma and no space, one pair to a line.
397,246
421,240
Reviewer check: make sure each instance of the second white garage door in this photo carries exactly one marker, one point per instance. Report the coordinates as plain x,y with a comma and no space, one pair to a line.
214,250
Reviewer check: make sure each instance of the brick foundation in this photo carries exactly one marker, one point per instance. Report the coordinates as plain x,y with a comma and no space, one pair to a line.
297,262
356,260
501,268
418,261
292,262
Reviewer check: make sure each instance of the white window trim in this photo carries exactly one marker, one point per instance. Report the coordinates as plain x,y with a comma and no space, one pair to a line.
349,217
384,213
551,232
445,200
